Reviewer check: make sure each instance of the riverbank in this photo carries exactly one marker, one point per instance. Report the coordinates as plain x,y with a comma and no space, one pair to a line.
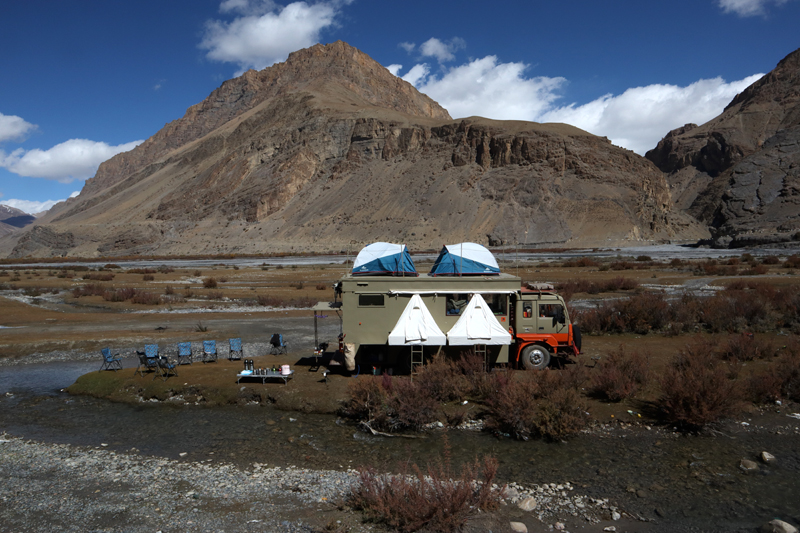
50,487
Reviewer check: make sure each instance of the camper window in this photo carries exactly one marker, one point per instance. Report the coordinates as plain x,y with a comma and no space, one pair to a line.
498,303
455,303
554,311
370,300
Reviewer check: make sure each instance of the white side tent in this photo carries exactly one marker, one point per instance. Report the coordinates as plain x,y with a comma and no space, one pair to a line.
416,326
477,325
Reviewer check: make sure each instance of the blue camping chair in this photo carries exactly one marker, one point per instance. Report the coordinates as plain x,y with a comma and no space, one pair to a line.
209,351
184,352
235,349
278,344
109,361
166,368
148,360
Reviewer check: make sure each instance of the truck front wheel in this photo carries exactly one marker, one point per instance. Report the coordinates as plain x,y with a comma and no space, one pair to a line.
535,357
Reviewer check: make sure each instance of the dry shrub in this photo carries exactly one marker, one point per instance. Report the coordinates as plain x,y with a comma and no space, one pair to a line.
477,382
640,313
780,380
119,295
146,298
771,260
581,262
366,397
755,270
410,406
214,295
620,375
210,283
793,261
142,271
696,389
746,347
90,289
389,404
535,404
433,500
441,379
321,286
99,277
622,265
297,285
148,277
169,291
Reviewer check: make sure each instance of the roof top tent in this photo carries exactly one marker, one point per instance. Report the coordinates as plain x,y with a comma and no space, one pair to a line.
465,259
384,258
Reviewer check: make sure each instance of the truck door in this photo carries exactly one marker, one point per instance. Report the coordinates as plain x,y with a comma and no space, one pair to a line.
551,318
526,317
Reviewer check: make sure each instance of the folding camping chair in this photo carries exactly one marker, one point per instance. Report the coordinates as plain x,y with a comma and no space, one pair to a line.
166,368
109,361
235,349
184,352
278,344
148,360
209,351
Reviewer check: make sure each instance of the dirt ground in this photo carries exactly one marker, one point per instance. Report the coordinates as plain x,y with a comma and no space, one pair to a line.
42,312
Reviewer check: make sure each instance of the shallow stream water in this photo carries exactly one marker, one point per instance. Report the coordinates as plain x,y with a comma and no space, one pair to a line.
676,482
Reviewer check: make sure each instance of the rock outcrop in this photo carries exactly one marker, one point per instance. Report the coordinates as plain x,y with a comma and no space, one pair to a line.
329,151
738,173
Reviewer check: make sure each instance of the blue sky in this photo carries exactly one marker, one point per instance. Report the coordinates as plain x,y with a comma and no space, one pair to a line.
82,81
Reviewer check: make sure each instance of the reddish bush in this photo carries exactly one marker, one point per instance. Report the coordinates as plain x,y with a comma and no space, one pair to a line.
746,347
146,298
210,283
389,404
755,270
534,404
119,295
771,260
620,375
90,289
441,379
431,500
793,261
321,286
696,390
99,277
148,277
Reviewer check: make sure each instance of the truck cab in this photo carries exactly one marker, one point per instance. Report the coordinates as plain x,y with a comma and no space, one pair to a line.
542,328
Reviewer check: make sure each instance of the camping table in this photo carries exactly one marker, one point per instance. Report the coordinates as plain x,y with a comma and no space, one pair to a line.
269,374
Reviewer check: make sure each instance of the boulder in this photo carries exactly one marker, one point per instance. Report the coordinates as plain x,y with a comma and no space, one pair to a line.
778,526
518,527
528,504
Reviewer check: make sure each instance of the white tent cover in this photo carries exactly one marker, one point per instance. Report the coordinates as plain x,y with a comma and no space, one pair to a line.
416,326
477,325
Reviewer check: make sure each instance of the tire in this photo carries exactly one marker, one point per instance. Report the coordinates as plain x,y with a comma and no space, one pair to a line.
576,336
535,357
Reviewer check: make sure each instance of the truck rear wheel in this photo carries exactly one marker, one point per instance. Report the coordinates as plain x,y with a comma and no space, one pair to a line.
535,357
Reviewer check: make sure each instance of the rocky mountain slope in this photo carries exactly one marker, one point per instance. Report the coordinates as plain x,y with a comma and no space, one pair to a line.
12,219
740,173
329,151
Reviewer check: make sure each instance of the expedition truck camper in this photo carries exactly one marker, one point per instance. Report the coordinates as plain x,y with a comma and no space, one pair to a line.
387,319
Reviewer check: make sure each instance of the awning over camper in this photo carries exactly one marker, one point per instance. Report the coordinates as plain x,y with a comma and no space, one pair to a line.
416,326
384,258
467,258
477,325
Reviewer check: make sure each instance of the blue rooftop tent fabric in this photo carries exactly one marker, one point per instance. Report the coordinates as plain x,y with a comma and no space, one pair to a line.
384,258
464,259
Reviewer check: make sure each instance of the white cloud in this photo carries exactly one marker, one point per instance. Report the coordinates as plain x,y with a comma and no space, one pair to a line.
265,33
416,74
638,118
442,51
65,162
32,207
14,128
408,47
394,69
490,89
747,8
